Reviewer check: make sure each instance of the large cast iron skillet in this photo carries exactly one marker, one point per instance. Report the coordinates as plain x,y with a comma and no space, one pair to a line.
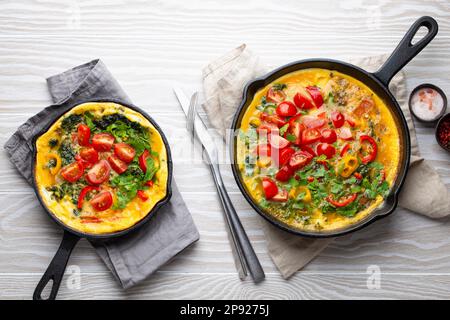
378,82
55,270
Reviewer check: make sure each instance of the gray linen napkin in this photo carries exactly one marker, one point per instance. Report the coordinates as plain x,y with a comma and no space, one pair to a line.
133,257
423,191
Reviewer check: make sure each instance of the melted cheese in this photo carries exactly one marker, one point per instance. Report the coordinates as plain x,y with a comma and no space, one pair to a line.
388,148
112,220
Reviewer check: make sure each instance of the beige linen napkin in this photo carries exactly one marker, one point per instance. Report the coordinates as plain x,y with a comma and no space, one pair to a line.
423,191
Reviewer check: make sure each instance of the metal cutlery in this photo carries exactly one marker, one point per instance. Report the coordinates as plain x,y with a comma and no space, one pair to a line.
242,247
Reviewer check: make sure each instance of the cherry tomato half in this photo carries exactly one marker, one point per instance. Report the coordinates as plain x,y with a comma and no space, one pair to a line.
300,159
272,118
286,109
266,128
278,142
310,136
102,141
281,196
270,188
102,201
143,160
326,149
99,172
72,172
124,151
345,134
83,134
338,119
284,174
284,156
303,101
313,122
328,136
316,95
275,96
89,154
295,129
84,193
118,165
263,150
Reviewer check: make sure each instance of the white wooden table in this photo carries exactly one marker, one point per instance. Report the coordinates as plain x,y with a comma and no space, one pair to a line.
152,45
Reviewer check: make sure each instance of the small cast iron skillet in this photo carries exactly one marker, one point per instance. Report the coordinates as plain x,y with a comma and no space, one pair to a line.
55,270
378,82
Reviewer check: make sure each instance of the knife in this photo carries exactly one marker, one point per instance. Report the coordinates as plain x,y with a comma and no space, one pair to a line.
243,249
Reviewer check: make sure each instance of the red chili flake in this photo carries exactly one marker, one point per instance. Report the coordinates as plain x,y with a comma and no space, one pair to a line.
444,133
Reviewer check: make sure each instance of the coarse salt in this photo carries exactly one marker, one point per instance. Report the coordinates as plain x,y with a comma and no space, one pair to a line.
427,104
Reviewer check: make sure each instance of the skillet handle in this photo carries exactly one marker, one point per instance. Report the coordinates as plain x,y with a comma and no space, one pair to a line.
55,270
405,50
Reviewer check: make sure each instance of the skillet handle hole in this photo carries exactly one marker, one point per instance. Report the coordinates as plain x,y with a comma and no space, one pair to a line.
419,35
46,292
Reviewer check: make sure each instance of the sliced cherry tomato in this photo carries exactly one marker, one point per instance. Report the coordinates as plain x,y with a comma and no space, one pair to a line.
83,134
295,129
284,174
303,100
72,172
124,151
326,149
263,150
338,119
358,175
284,156
371,151
344,149
102,201
316,95
85,164
299,160
89,154
345,134
143,160
309,150
270,188
267,128
310,136
273,118
313,122
286,109
99,172
118,165
102,141
342,202
328,136
281,196
278,142
83,194
141,194
275,96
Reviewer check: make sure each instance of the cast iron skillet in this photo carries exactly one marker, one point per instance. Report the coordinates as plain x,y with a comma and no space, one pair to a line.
55,270
378,82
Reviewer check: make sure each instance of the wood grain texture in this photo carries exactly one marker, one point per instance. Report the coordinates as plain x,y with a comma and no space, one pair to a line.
150,46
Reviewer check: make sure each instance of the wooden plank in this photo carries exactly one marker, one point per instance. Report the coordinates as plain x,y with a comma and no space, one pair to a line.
138,18
228,286
403,242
